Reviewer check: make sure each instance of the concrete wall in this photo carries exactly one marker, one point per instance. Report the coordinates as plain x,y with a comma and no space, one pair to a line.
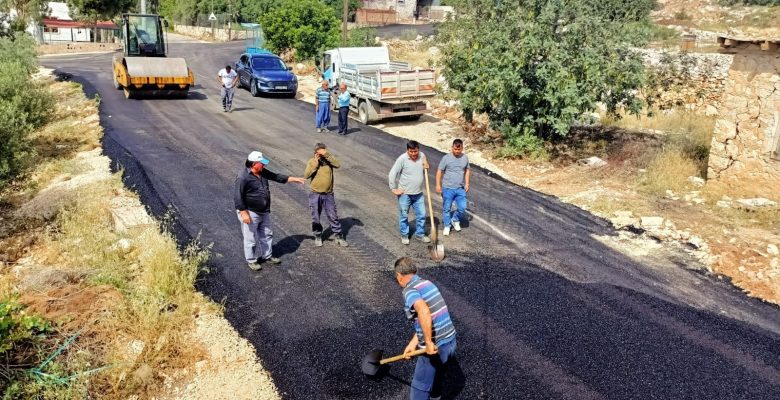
747,132
405,8
219,35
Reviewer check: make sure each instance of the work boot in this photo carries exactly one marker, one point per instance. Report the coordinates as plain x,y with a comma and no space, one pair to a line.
423,238
254,266
404,240
456,225
341,241
273,260
446,231
318,240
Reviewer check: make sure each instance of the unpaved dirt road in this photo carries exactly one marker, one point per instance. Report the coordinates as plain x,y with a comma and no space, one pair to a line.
543,307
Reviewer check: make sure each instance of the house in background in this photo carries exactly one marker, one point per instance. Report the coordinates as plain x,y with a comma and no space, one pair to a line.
405,10
58,27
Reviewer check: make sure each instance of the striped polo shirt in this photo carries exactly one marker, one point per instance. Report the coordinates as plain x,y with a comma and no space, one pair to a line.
443,329
323,96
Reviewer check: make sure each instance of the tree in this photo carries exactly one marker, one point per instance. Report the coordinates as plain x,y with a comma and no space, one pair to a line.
92,11
535,66
308,26
26,11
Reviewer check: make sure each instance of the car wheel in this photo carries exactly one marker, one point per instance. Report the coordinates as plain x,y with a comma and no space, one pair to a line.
363,112
253,88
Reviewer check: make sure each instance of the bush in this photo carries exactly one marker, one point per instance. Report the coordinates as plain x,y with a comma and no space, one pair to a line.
409,34
24,104
362,37
21,336
521,145
308,26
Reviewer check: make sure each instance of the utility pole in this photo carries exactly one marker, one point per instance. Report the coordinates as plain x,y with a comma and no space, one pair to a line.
143,6
345,12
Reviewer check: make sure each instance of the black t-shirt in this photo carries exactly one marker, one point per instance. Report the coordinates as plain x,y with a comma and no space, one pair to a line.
252,192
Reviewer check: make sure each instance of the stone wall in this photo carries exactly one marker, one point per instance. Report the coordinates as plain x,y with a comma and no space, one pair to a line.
747,131
404,8
205,33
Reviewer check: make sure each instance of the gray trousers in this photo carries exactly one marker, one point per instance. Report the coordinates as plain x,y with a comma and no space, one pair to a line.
227,97
258,236
319,202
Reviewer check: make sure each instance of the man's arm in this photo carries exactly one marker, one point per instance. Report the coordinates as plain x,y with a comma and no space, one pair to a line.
426,323
219,79
467,179
235,81
238,199
392,177
333,161
317,99
281,178
311,168
438,180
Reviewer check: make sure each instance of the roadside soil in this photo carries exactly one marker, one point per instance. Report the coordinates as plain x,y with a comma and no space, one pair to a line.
736,244
219,364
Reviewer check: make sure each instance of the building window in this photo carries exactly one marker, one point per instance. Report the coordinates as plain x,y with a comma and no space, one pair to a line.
50,30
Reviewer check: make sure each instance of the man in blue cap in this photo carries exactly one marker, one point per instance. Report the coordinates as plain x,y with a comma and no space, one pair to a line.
252,198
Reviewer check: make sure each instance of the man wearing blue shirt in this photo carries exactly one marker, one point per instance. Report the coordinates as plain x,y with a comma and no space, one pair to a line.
344,97
322,107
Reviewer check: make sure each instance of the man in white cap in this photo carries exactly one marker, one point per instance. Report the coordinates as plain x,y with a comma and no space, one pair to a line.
252,198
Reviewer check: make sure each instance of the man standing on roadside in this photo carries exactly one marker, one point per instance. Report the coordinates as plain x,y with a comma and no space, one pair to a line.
252,199
322,107
406,182
434,331
344,97
320,170
228,79
452,181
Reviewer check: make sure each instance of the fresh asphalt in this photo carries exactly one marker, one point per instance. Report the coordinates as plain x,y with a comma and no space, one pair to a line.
543,307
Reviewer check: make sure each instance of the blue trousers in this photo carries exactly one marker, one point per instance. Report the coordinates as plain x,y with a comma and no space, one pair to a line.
429,372
417,203
449,196
322,118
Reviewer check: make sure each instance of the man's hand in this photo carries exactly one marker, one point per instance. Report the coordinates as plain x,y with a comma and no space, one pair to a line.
398,191
410,348
466,187
430,348
438,188
425,163
295,180
245,217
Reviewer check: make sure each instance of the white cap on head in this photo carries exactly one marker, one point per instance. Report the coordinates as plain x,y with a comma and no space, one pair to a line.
257,156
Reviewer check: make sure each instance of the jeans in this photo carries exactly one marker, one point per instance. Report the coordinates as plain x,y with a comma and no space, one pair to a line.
327,202
417,203
322,118
448,196
429,372
227,97
343,118
258,236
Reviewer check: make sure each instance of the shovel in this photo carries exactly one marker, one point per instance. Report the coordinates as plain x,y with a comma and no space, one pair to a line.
373,361
436,249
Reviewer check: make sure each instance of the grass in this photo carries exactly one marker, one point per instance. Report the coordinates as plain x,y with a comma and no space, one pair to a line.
144,289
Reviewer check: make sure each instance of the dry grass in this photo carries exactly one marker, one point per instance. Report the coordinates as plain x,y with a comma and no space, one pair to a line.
417,53
138,287
668,170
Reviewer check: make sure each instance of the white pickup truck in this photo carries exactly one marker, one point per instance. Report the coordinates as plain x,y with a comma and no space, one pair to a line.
380,88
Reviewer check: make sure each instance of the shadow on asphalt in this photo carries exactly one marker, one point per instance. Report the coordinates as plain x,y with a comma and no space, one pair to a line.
289,245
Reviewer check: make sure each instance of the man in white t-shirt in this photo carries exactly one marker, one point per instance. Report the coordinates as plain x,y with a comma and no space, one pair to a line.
228,79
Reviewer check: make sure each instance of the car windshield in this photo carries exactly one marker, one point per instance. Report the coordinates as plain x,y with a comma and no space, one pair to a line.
267,63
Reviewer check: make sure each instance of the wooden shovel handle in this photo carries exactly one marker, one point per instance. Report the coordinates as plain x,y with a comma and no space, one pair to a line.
430,207
401,357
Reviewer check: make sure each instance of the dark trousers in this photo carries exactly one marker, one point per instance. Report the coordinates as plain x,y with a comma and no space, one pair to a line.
343,117
319,202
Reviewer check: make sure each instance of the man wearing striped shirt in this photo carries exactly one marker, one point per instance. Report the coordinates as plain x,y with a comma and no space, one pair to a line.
322,107
434,331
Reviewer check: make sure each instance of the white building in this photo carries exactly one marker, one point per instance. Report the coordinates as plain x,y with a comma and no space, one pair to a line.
58,27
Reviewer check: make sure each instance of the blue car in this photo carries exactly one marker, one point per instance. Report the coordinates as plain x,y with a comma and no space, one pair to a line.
265,73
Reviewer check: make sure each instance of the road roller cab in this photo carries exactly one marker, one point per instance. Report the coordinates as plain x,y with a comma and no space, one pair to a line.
143,69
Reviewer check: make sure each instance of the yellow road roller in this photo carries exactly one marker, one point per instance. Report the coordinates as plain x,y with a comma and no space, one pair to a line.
143,70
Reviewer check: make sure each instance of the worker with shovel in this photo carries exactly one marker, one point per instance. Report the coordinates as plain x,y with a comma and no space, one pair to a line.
434,331
406,181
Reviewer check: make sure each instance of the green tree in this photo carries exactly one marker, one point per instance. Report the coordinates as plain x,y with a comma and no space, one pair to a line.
26,11
308,26
535,66
92,11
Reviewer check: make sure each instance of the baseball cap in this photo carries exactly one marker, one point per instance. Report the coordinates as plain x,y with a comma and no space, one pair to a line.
257,156
320,146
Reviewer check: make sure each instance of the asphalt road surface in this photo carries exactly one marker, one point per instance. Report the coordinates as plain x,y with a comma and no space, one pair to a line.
543,308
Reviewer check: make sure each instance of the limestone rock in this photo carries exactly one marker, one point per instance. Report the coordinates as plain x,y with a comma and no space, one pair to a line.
652,222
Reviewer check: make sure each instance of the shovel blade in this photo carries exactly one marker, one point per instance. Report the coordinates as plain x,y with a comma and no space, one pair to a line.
370,366
436,252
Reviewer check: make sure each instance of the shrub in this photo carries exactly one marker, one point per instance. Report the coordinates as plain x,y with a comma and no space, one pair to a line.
362,37
409,34
308,26
21,336
669,169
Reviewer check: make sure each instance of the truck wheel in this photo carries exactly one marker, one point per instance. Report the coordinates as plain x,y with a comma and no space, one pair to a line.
363,112
253,88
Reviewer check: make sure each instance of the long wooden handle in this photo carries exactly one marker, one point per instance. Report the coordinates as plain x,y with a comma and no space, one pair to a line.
430,206
401,357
